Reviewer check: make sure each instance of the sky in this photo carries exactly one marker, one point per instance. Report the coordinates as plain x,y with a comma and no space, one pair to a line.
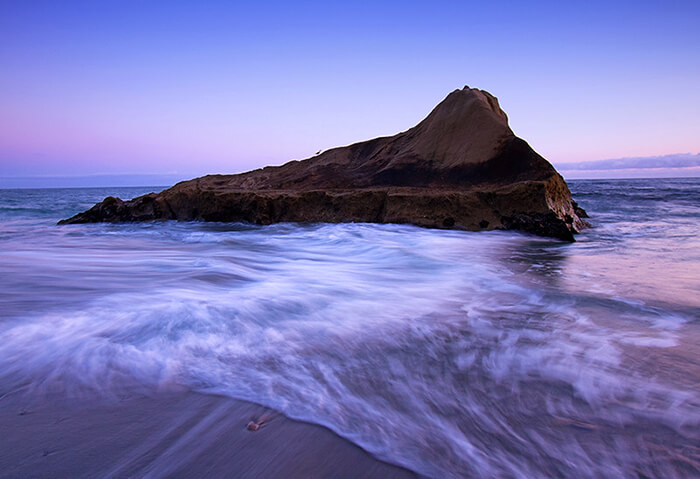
173,89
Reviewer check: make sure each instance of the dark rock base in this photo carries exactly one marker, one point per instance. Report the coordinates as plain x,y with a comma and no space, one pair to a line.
528,206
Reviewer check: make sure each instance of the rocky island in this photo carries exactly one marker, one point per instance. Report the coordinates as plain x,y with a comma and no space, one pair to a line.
462,167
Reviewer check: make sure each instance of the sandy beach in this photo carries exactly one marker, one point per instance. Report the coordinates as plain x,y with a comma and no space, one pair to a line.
179,434
452,354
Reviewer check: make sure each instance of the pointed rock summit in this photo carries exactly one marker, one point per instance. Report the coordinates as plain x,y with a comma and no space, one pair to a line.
461,167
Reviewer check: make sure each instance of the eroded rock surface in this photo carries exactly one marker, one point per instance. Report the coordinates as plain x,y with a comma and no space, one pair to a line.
461,167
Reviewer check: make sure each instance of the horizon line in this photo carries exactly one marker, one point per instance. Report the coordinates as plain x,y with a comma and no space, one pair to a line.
168,185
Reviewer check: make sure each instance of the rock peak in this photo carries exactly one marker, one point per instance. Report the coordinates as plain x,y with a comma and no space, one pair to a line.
462,98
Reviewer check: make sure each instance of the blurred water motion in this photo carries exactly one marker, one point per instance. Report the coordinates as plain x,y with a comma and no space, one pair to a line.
451,353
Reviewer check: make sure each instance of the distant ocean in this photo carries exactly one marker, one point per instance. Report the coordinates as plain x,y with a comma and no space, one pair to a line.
454,354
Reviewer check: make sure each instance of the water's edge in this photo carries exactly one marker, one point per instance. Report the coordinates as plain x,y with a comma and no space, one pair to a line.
450,353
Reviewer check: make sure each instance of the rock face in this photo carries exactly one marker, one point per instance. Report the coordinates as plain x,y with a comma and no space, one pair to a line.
461,167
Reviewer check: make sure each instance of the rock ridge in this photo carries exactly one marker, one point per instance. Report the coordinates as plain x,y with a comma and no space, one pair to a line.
461,167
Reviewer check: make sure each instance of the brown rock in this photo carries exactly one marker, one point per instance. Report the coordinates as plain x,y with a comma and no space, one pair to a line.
461,167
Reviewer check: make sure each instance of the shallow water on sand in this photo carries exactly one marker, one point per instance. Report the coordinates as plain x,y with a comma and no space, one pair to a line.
454,354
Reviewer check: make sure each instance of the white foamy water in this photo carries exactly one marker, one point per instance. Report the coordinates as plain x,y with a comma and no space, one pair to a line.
454,354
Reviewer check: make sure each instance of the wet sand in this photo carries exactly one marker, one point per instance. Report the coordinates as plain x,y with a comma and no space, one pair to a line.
179,434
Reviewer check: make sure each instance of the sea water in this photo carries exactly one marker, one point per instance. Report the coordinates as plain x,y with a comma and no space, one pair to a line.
454,354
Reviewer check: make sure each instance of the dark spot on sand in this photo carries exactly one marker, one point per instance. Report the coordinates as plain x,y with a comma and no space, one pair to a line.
253,426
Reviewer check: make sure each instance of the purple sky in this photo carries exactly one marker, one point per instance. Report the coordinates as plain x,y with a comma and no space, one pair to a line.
189,88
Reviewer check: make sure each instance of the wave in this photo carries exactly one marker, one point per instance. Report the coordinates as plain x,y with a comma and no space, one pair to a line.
454,354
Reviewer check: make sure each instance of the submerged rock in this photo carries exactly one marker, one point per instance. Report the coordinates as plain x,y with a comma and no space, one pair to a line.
460,168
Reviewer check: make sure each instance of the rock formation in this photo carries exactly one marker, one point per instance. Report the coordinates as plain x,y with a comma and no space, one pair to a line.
461,167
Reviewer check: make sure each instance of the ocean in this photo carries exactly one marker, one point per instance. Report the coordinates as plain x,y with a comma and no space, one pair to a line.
451,353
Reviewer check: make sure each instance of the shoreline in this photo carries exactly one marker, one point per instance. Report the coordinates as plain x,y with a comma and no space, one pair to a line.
173,434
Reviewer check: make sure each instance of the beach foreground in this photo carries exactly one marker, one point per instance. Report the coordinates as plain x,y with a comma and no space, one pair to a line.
449,353
174,434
